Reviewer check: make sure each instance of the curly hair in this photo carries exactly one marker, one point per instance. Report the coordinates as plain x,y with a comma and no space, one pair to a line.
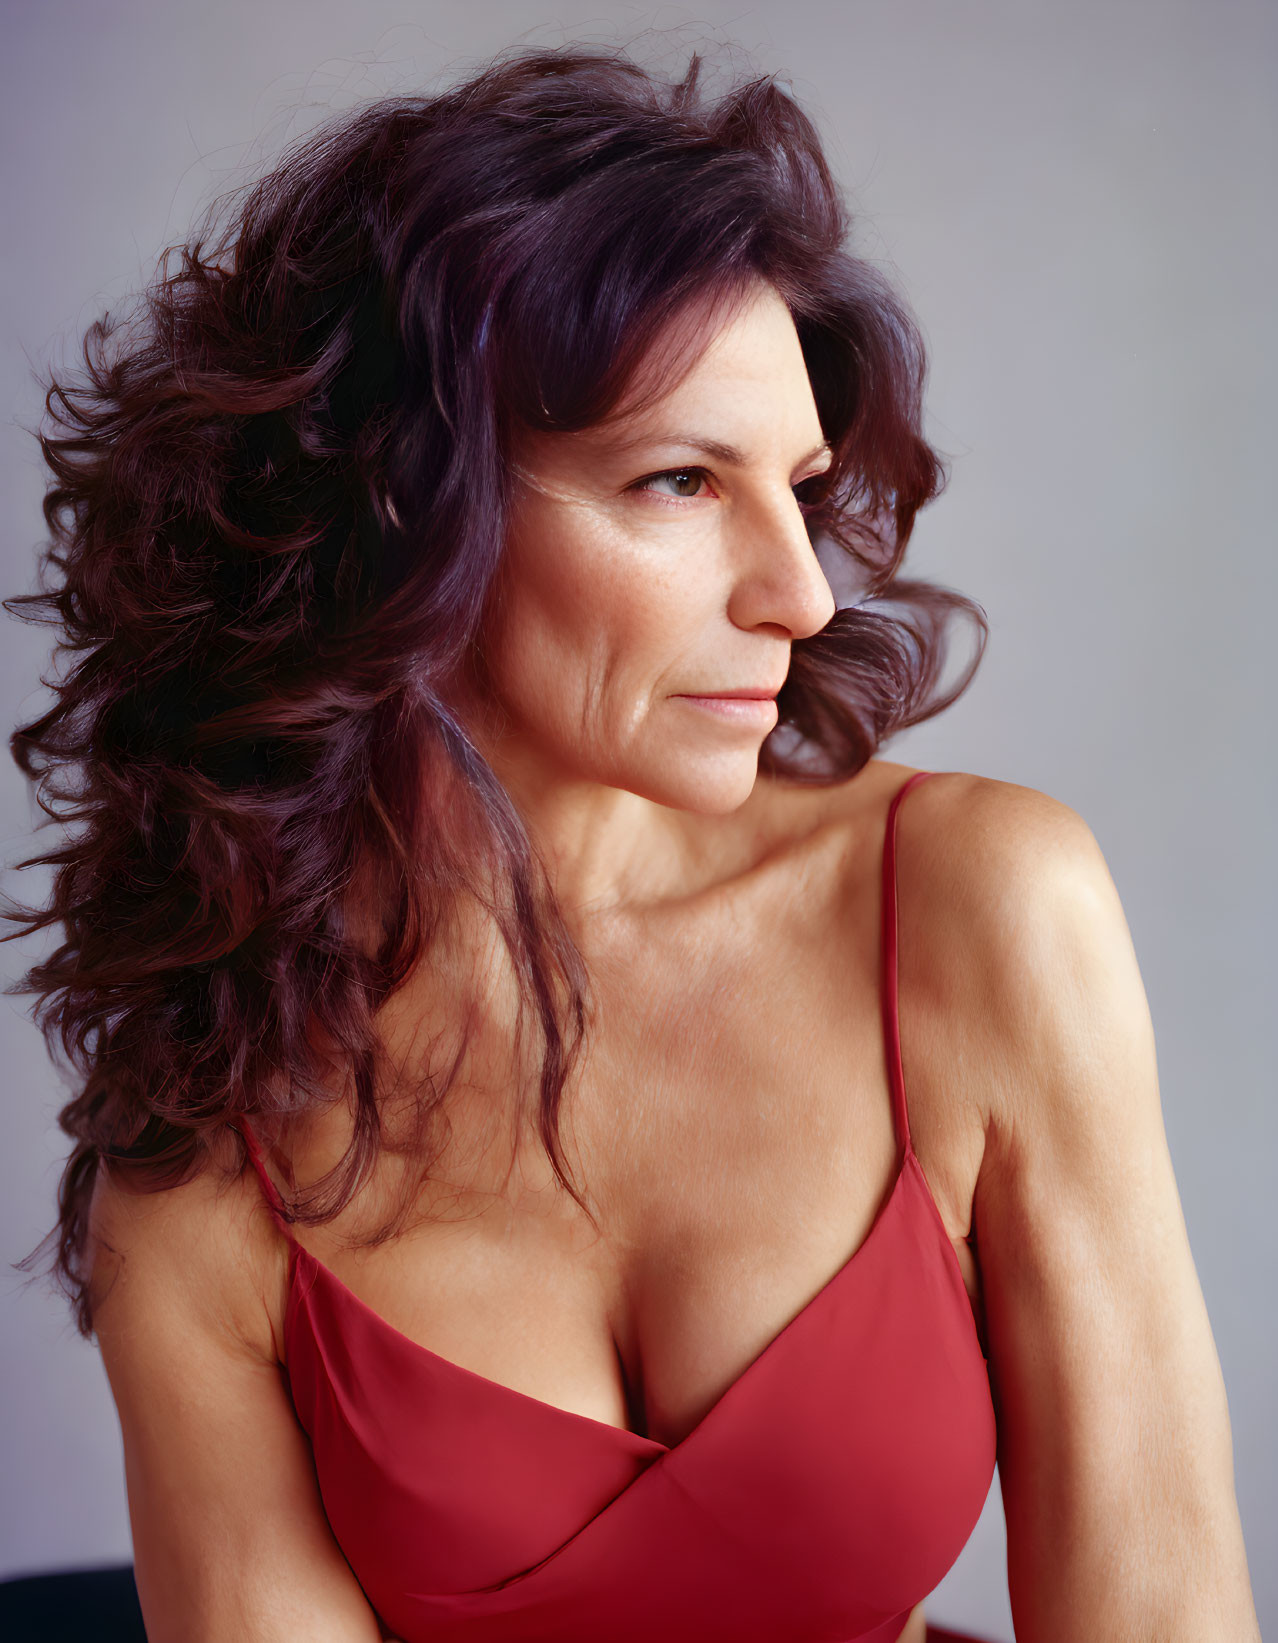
279,488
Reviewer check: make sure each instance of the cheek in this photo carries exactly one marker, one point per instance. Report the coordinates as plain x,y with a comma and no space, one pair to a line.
589,613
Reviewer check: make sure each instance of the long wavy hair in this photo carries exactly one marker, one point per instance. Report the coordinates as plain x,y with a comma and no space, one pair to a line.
279,488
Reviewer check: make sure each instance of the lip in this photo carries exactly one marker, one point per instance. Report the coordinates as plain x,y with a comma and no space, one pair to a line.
745,707
732,695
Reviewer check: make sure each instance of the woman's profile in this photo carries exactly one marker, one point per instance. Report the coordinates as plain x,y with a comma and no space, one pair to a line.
570,1142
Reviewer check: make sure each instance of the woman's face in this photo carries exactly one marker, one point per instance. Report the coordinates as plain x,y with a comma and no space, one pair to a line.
656,560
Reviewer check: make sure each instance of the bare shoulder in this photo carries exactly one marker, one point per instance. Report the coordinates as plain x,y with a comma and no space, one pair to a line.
1008,929
203,1254
989,840
230,1537
1011,926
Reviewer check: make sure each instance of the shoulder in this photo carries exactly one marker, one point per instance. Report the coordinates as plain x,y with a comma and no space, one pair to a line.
1012,927
229,1532
962,827
1004,861
1009,894
989,874
988,848
201,1255
988,840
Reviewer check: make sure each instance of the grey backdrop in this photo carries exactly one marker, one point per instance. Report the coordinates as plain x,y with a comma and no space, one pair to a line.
1078,200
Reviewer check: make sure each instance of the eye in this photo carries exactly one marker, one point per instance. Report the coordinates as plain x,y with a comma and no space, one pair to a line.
807,493
680,477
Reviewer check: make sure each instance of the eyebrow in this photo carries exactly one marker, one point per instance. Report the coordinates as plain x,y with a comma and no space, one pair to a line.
711,447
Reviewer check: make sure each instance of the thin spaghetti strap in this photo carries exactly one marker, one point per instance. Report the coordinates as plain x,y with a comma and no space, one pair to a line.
888,989
269,1189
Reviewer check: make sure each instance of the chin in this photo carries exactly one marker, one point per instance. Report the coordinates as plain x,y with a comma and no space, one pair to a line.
705,786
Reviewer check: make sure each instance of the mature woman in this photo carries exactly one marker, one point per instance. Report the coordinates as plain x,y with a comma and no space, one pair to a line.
438,549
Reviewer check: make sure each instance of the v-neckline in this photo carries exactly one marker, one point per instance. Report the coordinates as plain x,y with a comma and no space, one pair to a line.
619,1434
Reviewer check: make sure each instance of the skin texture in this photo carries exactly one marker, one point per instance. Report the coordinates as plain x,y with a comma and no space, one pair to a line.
701,892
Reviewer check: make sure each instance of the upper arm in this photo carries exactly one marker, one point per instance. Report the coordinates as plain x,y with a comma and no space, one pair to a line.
230,1537
1115,1455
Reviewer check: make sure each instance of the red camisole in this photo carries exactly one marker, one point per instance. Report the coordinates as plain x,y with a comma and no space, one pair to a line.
818,1501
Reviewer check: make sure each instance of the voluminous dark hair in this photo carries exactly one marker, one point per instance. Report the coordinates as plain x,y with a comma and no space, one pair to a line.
279,489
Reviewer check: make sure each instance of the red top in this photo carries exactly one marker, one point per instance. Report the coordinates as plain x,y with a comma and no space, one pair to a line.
823,1496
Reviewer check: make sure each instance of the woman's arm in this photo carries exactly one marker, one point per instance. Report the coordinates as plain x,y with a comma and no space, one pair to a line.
1115,1453
231,1543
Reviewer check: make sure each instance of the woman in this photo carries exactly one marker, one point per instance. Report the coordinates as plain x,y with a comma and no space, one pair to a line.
440,546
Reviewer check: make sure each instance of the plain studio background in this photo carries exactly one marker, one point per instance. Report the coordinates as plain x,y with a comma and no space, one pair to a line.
1078,201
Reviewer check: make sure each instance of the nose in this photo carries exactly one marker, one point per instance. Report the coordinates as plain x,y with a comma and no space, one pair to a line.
777,578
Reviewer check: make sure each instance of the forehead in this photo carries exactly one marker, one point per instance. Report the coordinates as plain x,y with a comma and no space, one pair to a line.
718,377
707,350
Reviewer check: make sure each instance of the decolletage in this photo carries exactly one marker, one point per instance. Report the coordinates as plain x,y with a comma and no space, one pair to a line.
819,1500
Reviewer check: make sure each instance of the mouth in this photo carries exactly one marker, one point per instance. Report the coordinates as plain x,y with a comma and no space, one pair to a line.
746,695
745,707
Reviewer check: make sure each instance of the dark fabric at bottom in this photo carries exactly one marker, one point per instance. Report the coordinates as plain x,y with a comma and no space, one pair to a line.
72,1606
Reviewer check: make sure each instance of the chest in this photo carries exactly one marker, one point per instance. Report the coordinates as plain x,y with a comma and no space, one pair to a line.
730,1123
